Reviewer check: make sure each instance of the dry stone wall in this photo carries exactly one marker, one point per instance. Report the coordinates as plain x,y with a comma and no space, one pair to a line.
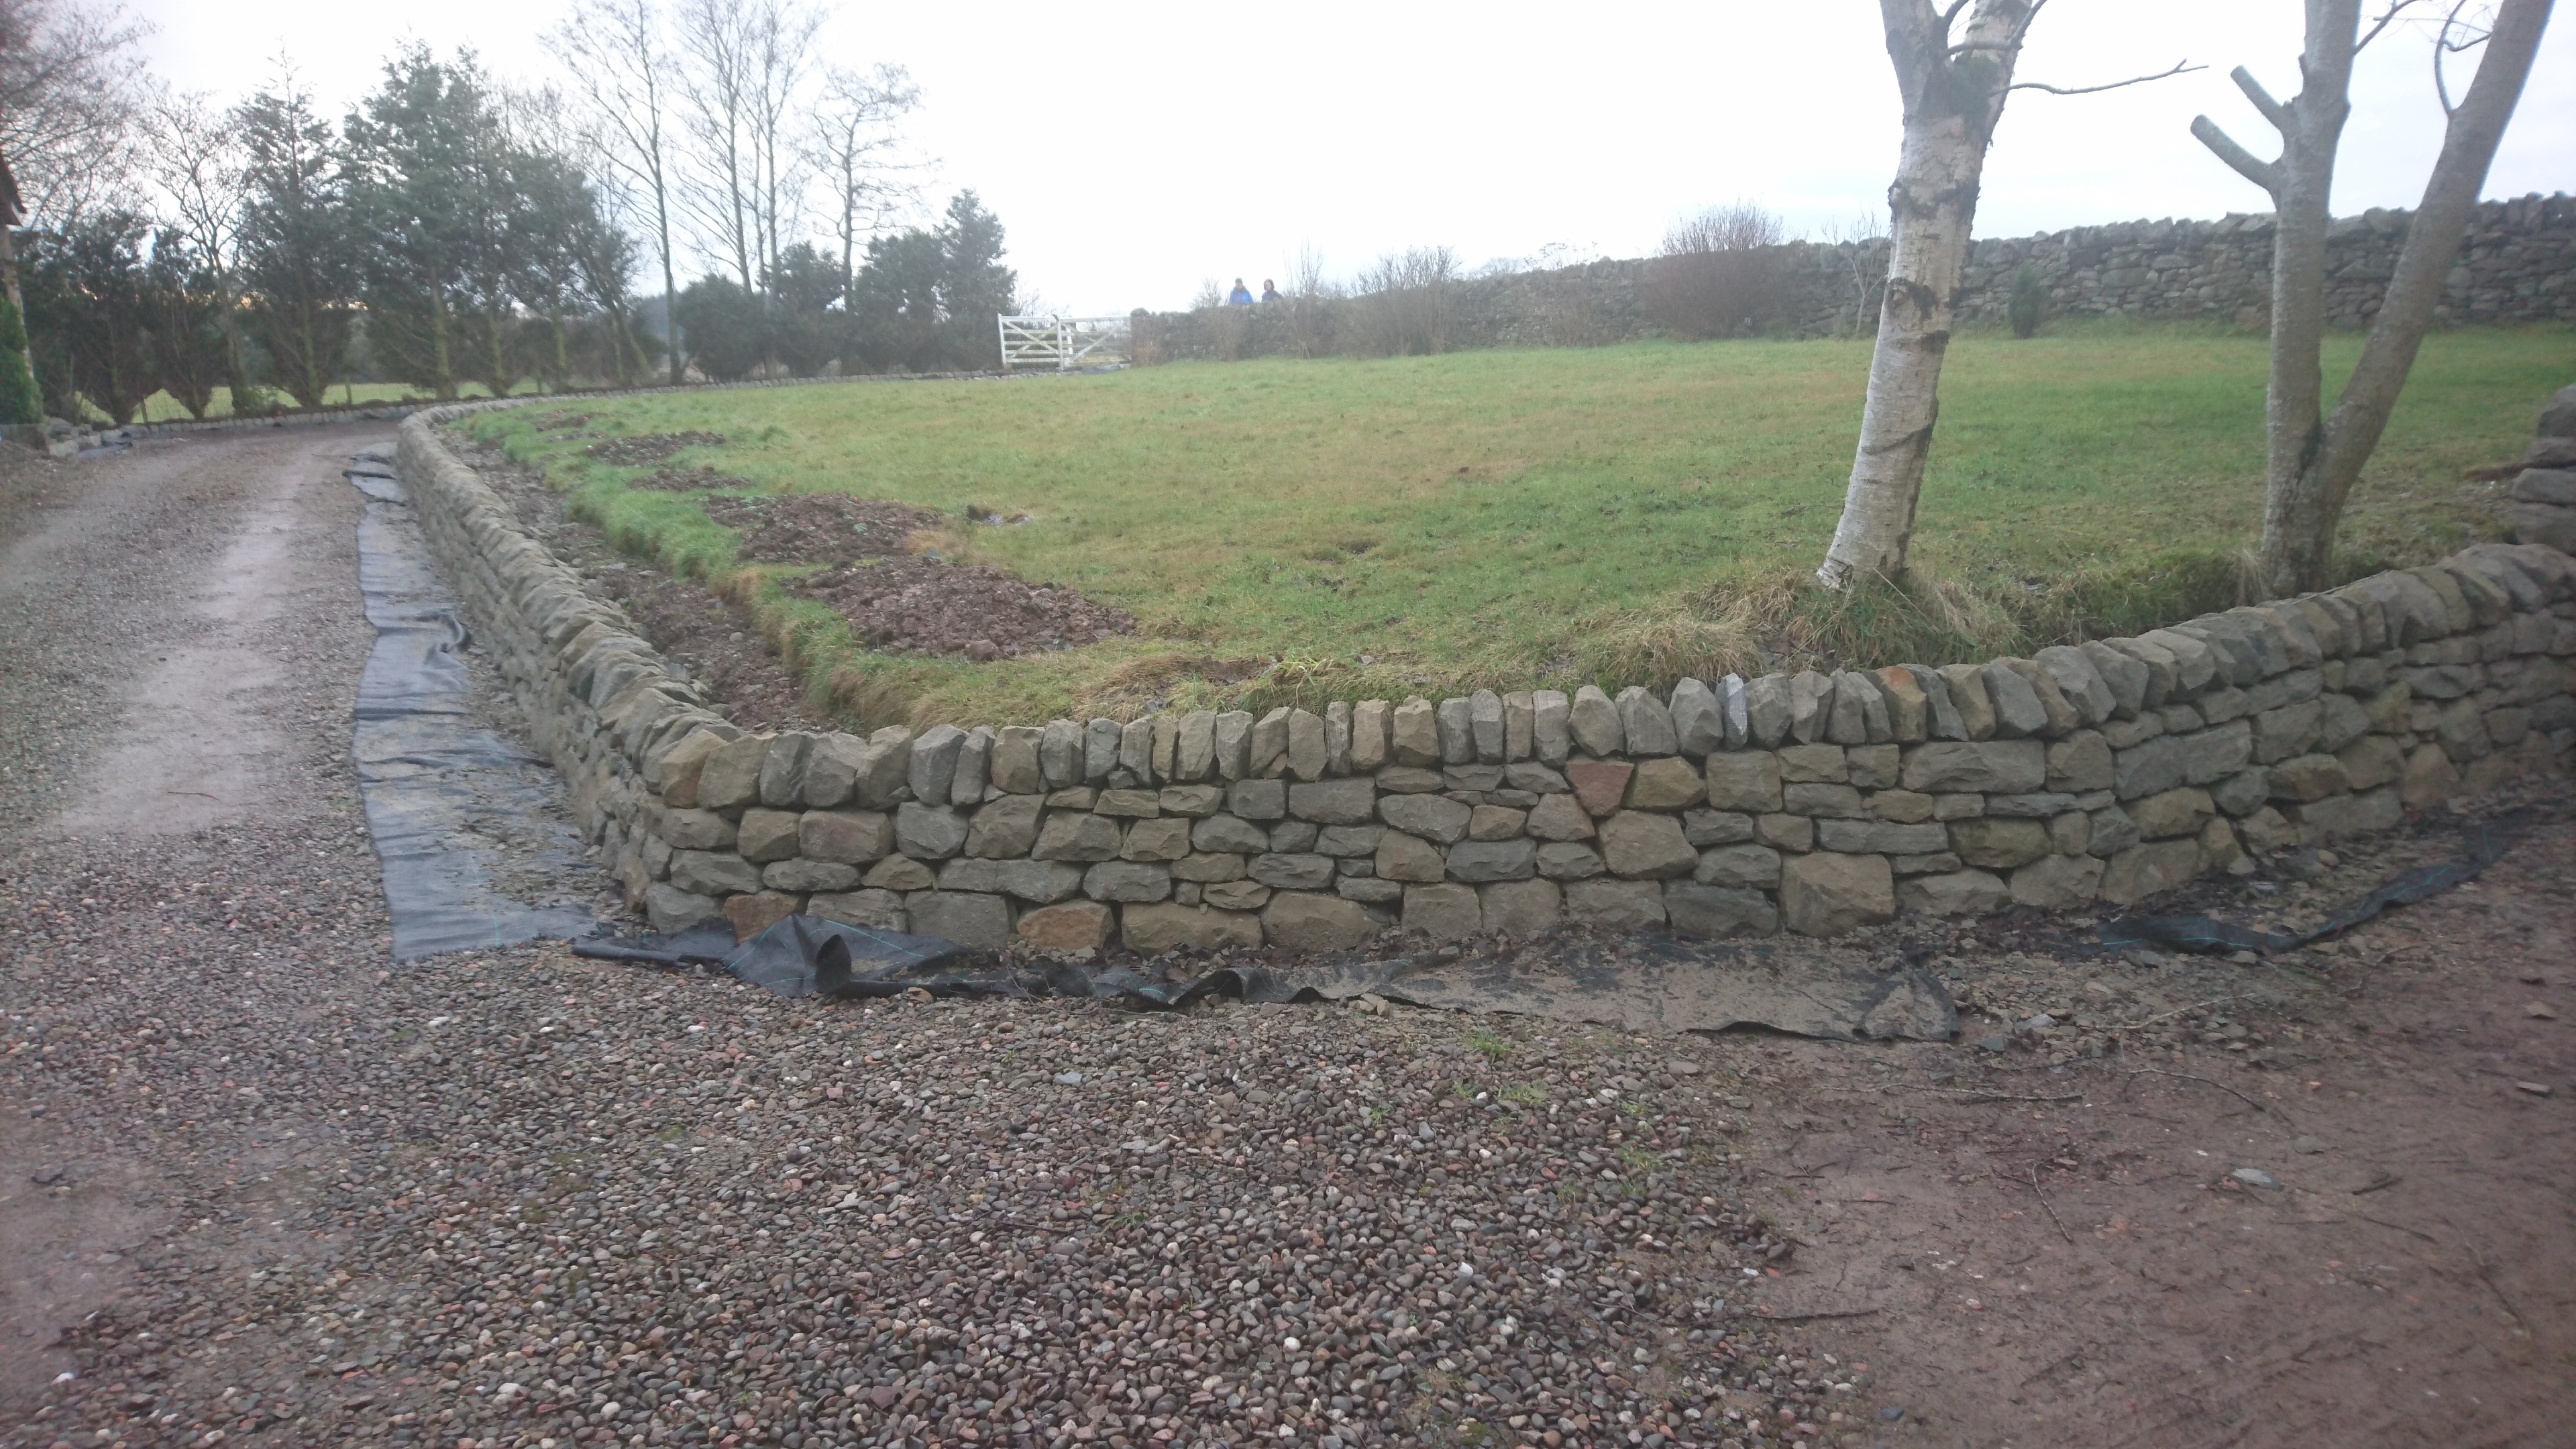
1814,803
2517,264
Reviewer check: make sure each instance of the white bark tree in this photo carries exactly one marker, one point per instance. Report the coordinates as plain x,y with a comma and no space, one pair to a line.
614,52
852,142
1954,86
2312,459
719,43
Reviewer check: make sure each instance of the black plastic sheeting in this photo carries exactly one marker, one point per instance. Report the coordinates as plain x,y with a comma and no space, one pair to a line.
1653,984
443,794
2482,844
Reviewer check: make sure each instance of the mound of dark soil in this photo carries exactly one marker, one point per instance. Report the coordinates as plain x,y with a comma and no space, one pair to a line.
561,422
645,448
922,606
687,480
818,528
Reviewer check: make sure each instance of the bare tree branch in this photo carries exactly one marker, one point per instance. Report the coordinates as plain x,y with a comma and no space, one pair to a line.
2266,174
2180,67
2395,8
2273,111
2444,45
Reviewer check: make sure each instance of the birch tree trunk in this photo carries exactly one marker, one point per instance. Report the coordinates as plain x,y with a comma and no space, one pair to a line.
1954,94
2312,460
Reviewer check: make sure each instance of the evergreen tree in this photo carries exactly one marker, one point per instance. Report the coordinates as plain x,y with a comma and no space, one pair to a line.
415,158
184,307
298,259
20,404
85,305
722,321
974,287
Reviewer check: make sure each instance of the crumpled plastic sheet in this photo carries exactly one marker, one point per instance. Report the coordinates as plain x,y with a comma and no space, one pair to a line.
2482,844
1653,984
440,789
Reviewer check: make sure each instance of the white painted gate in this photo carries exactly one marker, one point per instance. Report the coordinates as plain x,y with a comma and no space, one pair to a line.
1063,343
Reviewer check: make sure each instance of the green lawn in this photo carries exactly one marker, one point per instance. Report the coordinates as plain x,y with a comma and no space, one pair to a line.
1529,517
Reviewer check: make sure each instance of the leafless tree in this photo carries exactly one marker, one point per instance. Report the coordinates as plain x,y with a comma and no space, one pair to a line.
782,59
200,167
614,53
1716,274
71,88
2313,460
853,142
1861,244
1953,85
719,41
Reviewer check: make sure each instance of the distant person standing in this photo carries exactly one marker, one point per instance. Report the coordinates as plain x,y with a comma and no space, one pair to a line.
1241,296
1269,290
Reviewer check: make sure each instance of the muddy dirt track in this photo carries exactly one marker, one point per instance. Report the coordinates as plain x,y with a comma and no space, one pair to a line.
259,1187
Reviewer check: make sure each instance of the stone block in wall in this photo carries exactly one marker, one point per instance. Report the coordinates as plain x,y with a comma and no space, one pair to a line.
1767,710
1965,686
1874,767
1014,767
1593,720
929,832
1561,860
1294,836
2305,778
1209,867
1003,828
2286,731
669,908
1837,802
1699,726
1368,890
932,765
801,877
1829,895
1413,734
1485,861
2171,812
969,919
1641,845
1158,839
1152,929
766,835
2338,815
1520,907
1443,912
782,770
1666,783
1230,895
1349,840
899,873
1520,726
1432,817
1707,911
2057,882
694,830
1228,833
1079,836
730,778
1551,726
2078,682
2126,675
1742,867
1040,882
1192,802
1616,905
1306,921
1746,781
1409,858
1878,837
1953,893
1496,822
713,872
1704,828
757,911
1998,844
1826,764
1811,698
1072,926
2243,792
2002,766
1333,802
2149,869
675,769
1128,880
2548,524
2082,761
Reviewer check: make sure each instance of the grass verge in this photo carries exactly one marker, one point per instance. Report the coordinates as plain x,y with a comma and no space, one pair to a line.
1303,531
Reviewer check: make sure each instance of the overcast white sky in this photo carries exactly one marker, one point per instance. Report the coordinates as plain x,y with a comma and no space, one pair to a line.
1133,150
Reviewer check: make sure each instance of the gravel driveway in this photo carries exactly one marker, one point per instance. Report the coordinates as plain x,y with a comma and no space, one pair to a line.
257,1186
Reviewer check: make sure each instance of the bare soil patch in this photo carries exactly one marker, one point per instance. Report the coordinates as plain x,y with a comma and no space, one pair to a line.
819,528
713,639
928,607
687,480
643,448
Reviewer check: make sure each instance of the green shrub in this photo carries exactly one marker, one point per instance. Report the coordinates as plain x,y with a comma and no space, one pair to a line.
2027,297
19,401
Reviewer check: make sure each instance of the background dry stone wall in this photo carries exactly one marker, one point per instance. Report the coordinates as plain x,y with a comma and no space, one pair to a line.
1813,803
2517,264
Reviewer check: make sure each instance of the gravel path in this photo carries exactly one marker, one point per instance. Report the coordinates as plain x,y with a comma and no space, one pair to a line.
257,1186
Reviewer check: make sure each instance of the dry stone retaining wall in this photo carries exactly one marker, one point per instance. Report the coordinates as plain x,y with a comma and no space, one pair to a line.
1813,803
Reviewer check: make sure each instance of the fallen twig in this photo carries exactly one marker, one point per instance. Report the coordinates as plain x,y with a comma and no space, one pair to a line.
2486,1274
1804,1317
1974,1094
2391,1180
2400,1227
2052,1209
2222,1086
200,794
2178,1011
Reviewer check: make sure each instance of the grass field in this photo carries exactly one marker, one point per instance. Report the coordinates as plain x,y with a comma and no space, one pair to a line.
1528,517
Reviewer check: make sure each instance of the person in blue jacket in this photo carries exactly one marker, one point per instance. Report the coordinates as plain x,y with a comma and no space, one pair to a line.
1241,296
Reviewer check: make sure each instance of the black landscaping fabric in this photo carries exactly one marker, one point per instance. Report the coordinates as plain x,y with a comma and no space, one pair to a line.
1637,984
2482,843
443,794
